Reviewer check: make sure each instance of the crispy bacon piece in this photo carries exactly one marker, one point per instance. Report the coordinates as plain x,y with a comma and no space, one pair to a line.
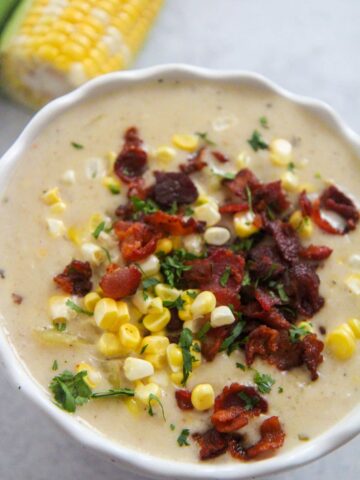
286,239
305,204
265,262
212,443
206,274
183,399
173,224
173,187
272,438
137,240
266,300
136,188
276,348
321,222
195,163
245,179
334,199
235,406
132,160
220,157
301,284
315,252
119,282
234,208
213,340
269,196
76,278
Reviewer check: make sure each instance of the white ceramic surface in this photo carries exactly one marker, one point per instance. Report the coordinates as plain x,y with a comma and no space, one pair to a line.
126,458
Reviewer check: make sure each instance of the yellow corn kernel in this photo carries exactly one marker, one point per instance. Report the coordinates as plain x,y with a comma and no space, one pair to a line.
154,322
132,405
203,304
203,397
111,158
92,377
303,225
186,142
177,378
308,187
112,184
129,335
76,235
208,212
109,345
141,301
166,293
143,392
55,227
150,266
58,310
58,207
123,312
194,243
157,361
154,344
354,324
106,315
156,305
341,342
165,154
290,181
244,224
52,196
90,301
353,283
177,242
164,245
185,313
280,152
134,313
174,357
195,350
242,160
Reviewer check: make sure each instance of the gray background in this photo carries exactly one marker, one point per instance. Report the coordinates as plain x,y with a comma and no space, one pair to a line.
310,47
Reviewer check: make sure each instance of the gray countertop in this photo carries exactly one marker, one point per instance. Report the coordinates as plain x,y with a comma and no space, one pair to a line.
309,47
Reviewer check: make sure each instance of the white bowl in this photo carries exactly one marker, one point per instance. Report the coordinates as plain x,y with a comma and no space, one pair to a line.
126,458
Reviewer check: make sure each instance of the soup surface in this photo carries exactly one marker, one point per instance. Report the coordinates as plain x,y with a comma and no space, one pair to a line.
43,230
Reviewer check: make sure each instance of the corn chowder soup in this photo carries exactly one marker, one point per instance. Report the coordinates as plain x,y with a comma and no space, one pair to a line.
180,269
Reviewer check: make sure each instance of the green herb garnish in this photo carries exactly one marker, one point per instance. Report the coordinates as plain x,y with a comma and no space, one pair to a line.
242,245
257,142
188,212
70,390
60,327
263,382
149,282
98,230
249,199
114,392
55,365
172,427
230,340
155,398
178,303
144,348
107,253
173,266
246,280
296,333
173,209
250,402
224,175
264,122
225,277
203,331
280,390
241,366
144,206
291,166
78,146
182,439
204,137
115,190
77,309
185,343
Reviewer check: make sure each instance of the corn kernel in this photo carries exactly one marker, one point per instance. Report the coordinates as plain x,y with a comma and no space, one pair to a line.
141,301
58,207
69,177
341,342
185,313
157,361
92,377
208,213
177,378
90,301
186,142
76,235
51,196
195,351
203,304
150,266
203,397
137,369
221,316
92,253
109,345
129,335
164,245
354,261
112,184
353,283
132,405
242,160
134,313
308,187
143,392
174,357
216,236
280,152
165,154
156,305
193,243
58,310
154,344
165,292
106,315
354,324
303,225
244,224
290,181
56,227
154,322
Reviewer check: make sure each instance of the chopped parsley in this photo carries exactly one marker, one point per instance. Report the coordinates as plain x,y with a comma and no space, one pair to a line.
182,439
291,166
77,309
55,365
178,303
224,175
100,228
241,366
192,293
203,331
257,142
225,277
149,282
114,189
60,327
173,209
172,427
114,392
76,145
318,176
263,382
185,343
242,245
280,390
278,287
229,343
204,137
188,212
144,348
246,280
173,266
144,206
107,253
264,122
296,333
249,199
156,399
250,402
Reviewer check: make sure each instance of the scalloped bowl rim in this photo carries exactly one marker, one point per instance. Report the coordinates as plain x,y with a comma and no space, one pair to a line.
130,459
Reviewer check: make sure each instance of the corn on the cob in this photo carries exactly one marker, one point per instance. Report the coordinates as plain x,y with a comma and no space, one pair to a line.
50,47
